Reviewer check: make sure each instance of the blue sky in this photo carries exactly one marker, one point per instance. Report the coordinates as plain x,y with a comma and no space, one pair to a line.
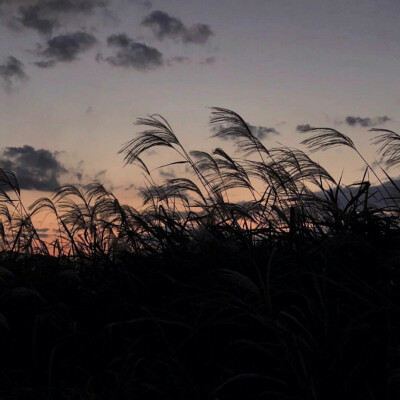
75,75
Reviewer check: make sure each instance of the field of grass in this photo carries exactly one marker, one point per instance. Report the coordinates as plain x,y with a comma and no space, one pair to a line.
292,293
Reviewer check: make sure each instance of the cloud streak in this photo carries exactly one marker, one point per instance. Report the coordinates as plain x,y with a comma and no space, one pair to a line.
12,71
170,174
208,61
262,132
303,127
178,60
366,122
165,26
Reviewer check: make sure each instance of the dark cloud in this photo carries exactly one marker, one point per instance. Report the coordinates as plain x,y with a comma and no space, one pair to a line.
366,122
45,64
198,33
132,54
11,71
262,132
170,174
119,40
73,6
382,195
208,61
43,232
30,17
304,127
35,169
44,15
164,26
65,48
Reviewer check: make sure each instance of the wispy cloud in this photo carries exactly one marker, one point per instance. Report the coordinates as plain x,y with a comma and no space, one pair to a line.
178,60
303,127
208,61
262,132
165,26
170,174
366,122
12,71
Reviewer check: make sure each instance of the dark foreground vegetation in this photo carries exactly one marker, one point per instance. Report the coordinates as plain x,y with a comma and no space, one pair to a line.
292,293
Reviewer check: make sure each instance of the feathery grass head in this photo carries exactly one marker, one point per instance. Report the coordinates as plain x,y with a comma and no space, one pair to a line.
326,138
278,190
389,146
158,134
229,125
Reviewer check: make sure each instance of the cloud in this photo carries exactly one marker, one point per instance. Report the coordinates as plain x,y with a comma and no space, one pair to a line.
11,71
119,40
78,174
164,26
35,169
132,186
208,61
30,17
262,132
43,232
303,127
178,60
44,15
100,175
65,48
72,6
170,174
366,122
148,5
132,54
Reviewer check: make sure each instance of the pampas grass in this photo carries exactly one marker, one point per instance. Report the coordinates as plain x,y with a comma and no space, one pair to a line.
291,293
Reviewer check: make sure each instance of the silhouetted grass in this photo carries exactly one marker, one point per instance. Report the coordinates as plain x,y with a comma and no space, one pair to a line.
291,293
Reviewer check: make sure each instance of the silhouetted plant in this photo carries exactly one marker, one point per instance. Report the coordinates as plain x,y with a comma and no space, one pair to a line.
285,193
292,292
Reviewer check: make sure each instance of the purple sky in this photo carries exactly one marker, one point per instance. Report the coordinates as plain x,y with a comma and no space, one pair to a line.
75,75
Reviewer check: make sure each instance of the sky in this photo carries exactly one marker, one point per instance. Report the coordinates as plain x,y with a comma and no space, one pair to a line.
76,74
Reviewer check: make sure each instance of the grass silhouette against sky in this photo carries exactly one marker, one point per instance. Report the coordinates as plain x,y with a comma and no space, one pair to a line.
76,75
260,263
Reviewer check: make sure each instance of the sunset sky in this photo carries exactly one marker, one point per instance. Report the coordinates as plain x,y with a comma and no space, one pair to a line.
75,75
